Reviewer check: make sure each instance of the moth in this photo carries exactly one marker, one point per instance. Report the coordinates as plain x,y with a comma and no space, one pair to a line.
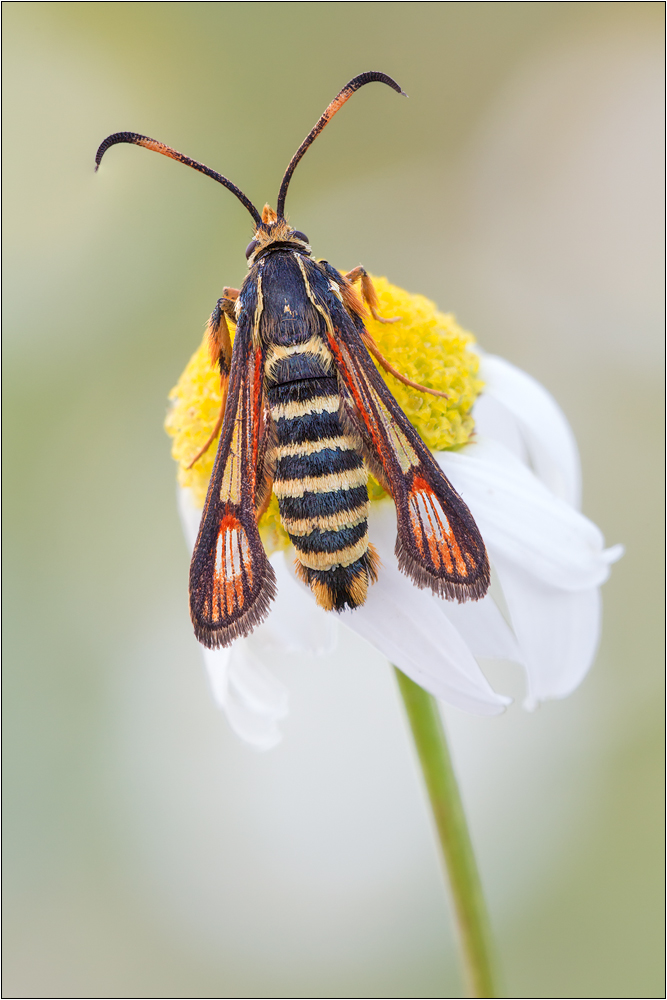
306,414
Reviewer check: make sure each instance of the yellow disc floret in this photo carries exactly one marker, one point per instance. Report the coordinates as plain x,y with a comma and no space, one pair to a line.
427,346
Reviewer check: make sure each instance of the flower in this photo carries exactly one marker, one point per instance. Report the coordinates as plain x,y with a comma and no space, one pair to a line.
508,450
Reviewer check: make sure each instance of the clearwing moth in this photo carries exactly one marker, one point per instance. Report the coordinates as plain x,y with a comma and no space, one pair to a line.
306,414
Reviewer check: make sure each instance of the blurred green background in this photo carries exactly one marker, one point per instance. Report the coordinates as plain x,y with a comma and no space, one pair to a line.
147,852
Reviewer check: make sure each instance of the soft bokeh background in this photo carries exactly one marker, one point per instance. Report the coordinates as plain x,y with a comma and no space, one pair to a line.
148,853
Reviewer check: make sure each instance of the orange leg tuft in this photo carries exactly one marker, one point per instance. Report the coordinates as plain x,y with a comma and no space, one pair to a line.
368,293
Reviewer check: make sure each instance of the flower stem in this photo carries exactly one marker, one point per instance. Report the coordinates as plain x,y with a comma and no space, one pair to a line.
470,909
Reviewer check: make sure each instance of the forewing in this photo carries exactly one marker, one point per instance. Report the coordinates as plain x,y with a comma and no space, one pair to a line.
231,580
438,543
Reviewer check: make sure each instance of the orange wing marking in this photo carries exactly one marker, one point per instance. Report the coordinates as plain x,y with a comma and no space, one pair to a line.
233,568
362,394
429,519
257,391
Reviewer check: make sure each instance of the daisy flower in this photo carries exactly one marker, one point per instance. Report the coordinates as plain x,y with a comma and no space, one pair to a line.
509,452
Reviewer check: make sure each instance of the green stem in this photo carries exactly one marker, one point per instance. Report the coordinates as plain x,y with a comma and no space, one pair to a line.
471,916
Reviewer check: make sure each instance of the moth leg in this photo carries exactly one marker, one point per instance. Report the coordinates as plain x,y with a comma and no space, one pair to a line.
219,341
373,349
220,347
354,305
368,292
224,382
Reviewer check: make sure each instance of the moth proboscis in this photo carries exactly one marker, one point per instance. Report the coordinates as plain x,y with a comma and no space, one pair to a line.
306,414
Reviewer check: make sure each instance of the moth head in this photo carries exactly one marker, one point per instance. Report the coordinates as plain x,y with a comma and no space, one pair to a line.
275,232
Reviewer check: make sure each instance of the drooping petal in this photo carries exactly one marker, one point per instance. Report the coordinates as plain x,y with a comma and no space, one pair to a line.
250,697
250,718
523,521
548,438
190,515
485,631
479,623
254,685
412,629
558,631
258,731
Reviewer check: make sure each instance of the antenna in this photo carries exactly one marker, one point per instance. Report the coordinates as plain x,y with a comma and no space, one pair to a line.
336,104
159,147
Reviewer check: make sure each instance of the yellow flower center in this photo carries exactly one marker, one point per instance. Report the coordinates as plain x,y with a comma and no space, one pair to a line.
427,346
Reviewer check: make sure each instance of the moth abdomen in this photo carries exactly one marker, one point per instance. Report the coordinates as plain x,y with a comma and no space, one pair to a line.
320,481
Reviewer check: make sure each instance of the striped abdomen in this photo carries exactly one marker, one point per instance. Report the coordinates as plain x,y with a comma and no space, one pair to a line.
320,482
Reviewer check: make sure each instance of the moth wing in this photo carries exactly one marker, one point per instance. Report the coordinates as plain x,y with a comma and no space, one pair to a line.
232,583
438,544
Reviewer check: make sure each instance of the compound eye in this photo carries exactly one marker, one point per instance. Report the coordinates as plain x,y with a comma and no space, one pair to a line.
300,236
250,249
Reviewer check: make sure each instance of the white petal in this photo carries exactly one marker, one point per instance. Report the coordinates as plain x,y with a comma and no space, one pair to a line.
548,437
558,631
494,421
259,731
216,662
482,626
254,685
523,521
613,553
190,515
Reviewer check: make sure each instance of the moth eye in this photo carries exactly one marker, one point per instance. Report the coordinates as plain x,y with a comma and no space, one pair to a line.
300,236
250,249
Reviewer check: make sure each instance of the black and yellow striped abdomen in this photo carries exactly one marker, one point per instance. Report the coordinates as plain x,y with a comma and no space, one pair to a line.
320,482
319,476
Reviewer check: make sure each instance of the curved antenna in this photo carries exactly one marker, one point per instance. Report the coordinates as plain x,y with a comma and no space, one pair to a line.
159,147
336,104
